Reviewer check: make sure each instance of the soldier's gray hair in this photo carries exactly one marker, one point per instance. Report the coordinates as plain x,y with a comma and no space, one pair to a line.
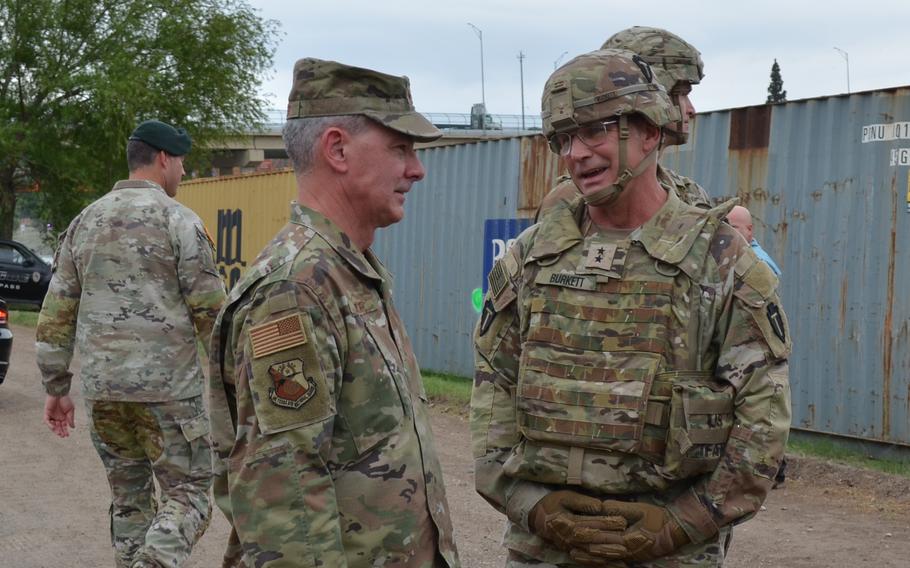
301,135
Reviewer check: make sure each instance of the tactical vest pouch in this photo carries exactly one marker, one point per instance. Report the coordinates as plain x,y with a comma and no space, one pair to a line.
701,417
587,407
588,362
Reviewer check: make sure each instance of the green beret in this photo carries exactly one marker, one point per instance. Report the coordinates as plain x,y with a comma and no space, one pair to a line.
163,136
329,88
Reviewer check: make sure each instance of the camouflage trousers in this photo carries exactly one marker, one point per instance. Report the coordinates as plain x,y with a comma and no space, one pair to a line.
709,554
168,442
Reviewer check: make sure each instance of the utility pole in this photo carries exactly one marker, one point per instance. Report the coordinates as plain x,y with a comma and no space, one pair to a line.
521,67
483,93
847,60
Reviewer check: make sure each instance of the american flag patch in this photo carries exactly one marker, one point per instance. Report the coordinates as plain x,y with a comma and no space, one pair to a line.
497,279
278,335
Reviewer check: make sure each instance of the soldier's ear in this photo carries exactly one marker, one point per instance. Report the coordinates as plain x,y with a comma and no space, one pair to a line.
332,149
650,136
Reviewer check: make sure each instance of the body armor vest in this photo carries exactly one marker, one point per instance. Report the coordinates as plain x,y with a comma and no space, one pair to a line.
616,363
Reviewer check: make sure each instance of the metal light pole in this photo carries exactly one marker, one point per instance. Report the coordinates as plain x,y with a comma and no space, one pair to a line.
847,60
483,92
558,59
521,67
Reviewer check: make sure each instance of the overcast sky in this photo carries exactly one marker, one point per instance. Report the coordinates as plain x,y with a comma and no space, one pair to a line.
430,41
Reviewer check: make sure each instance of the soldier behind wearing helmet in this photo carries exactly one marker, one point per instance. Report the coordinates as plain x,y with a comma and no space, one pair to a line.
677,65
631,395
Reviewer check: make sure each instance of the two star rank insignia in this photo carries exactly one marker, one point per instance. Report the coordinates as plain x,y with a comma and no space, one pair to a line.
600,256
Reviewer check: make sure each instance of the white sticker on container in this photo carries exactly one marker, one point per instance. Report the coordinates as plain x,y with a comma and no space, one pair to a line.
886,132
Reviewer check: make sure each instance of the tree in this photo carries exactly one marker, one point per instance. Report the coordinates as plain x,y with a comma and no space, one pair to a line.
76,76
776,92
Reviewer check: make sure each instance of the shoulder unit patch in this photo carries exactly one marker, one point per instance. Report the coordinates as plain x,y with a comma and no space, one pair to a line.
776,321
290,387
203,234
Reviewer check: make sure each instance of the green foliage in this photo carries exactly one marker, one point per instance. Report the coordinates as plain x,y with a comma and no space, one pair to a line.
776,92
24,318
447,388
831,450
27,205
76,76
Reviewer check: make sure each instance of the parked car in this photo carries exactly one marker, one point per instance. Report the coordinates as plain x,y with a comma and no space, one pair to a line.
24,276
6,340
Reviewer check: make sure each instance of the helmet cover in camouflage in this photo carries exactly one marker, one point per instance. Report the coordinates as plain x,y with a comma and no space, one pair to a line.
328,88
671,57
675,63
602,84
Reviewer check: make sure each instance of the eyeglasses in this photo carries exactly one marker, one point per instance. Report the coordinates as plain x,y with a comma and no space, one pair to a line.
591,135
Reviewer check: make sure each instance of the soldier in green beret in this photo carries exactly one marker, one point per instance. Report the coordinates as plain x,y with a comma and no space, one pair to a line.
320,420
631,398
135,286
677,65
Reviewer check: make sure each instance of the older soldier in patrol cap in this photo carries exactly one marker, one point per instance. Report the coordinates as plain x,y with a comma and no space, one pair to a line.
631,395
320,420
135,285
677,65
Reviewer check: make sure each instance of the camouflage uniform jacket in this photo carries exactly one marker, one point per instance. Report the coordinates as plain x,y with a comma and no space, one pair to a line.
319,415
134,284
650,366
686,189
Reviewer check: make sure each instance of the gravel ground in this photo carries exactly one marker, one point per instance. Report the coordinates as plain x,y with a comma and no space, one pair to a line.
54,499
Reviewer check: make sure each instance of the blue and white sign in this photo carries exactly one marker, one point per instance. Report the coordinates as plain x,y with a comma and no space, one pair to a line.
498,235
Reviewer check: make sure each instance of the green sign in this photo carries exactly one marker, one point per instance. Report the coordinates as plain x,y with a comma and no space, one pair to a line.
477,299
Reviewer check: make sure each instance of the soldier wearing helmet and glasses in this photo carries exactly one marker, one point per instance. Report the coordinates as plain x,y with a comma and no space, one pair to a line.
631,398
676,65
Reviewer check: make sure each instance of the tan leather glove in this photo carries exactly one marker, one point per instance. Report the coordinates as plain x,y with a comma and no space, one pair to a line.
572,520
652,533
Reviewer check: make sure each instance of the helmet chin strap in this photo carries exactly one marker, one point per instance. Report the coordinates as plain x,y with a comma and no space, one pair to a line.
679,128
607,195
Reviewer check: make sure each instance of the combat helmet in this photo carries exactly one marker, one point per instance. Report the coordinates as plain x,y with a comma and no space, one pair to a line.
604,84
672,58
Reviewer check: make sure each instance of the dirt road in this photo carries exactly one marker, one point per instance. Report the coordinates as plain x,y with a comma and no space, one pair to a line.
54,498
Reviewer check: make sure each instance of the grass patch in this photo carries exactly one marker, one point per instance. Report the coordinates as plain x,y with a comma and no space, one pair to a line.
24,318
455,391
831,450
446,388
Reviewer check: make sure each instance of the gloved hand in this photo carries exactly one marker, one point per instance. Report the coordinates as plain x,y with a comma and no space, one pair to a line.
652,533
571,520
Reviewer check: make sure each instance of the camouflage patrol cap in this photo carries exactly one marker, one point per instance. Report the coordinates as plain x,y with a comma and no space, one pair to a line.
163,136
601,84
672,58
329,88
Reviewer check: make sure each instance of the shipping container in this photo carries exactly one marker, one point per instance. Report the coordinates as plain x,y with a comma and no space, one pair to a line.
241,213
827,181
